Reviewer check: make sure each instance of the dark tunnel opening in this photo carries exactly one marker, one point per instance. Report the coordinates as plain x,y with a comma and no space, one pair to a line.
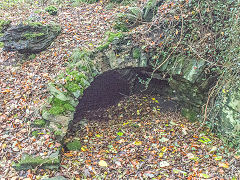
110,87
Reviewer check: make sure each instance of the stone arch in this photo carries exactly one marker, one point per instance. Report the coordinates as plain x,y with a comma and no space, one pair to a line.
111,86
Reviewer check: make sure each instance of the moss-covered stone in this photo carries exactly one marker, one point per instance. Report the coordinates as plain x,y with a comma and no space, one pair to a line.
111,37
188,93
33,35
191,115
33,24
29,37
75,145
31,162
1,44
59,106
39,122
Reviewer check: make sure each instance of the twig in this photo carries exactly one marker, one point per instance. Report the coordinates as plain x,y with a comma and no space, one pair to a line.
172,50
203,58
206,107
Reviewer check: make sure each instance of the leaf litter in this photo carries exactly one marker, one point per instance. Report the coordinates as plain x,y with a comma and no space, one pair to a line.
152,144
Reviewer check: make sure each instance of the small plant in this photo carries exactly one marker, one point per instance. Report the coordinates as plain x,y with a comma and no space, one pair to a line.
75,145
39,122
35,133
52,10
4,25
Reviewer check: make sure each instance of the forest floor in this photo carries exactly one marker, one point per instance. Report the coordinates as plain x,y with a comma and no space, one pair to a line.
152,151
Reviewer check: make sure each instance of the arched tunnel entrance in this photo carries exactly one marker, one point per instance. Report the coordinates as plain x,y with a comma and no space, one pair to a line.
110,87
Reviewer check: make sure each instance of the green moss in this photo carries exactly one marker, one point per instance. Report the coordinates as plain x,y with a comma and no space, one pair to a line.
72,87
55,110
38,11
39,122
75,145
1,44
59,106
56,28
191,115
68,107
33,35
111,37
35,133
52,10
58,133
120,26
136,53
4,24
30,162
73,79
34,24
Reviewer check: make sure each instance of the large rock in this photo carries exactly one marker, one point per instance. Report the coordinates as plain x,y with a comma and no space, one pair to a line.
228,107
29,38
121,53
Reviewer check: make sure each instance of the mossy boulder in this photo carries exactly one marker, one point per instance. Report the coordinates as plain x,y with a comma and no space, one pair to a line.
29,38
227,108
31,162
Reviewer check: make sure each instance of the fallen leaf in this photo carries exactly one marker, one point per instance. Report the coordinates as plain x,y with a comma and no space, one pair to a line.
202,175
163,139
102,163
164,164
218,158
138,143
119,133
224,165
